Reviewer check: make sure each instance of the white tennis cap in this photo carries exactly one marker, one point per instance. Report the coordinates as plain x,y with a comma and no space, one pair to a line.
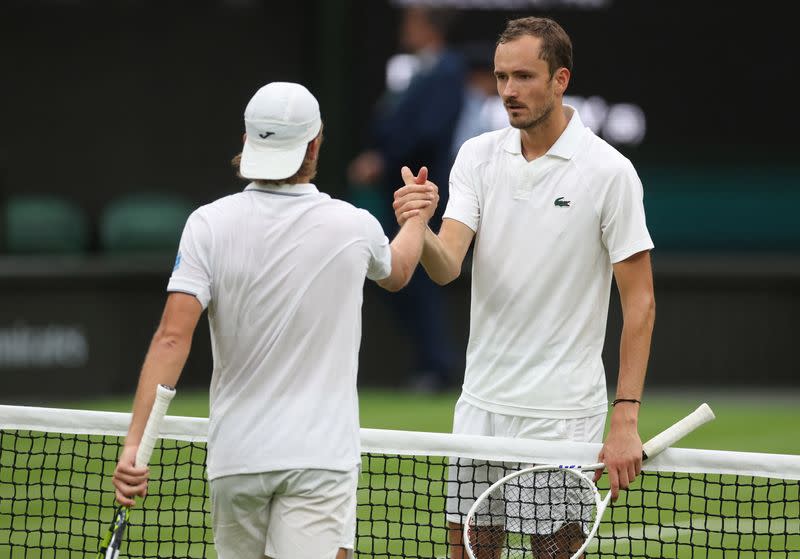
280,120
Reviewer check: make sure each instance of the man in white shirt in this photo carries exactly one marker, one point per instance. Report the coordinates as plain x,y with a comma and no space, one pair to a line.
280,267
555,212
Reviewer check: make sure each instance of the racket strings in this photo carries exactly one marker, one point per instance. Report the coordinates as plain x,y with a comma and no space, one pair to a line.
544,514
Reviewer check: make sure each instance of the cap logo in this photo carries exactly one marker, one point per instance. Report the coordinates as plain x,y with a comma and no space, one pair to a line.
265,135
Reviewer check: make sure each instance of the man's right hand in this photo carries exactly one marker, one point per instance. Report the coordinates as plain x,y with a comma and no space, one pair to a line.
418,196
129,481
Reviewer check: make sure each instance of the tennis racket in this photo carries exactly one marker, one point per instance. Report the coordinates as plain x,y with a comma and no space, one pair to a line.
551,511
111,542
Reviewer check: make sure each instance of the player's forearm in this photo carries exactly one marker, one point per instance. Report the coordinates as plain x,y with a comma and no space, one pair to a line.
406,251
634,352
440,265
163,364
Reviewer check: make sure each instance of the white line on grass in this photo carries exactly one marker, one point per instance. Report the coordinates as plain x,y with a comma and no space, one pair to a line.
673,531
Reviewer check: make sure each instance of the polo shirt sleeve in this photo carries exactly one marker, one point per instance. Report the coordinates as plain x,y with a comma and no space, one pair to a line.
623,225
463,203
380,253
192,272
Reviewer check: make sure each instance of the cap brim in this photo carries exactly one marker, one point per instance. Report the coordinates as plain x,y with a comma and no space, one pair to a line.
259,162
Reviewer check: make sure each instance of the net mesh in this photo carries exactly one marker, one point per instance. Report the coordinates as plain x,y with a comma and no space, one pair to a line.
56,501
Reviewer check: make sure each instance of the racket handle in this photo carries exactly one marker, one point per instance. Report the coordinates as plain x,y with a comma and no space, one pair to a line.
676,432
164,395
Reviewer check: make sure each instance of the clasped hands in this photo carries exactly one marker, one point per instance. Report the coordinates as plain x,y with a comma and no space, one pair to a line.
417,197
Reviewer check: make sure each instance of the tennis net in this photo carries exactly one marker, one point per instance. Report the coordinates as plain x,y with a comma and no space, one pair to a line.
56,498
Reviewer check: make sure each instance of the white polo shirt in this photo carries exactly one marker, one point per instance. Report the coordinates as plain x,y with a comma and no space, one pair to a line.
282,271
547,234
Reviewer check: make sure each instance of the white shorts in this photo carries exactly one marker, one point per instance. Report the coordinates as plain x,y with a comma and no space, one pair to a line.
288,514
467,478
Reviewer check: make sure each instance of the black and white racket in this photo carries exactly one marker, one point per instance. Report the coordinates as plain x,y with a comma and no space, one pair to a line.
111,542
551,511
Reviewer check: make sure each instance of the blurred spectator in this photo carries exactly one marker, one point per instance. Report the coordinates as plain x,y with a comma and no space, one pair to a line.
482,109
416,122
414,127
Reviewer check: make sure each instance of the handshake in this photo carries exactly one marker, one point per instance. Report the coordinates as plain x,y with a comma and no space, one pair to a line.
417,197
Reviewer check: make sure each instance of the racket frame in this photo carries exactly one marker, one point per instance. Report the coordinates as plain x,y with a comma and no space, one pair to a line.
654,446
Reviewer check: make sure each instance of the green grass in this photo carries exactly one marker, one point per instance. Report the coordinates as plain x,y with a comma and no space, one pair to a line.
64,503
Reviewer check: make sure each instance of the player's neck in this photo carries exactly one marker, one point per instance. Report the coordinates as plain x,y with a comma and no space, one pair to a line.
537,140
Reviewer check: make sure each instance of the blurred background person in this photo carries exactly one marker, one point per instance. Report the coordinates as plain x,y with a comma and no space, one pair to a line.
410,126
482,108
418,120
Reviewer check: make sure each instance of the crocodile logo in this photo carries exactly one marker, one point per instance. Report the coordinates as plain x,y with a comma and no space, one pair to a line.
561,203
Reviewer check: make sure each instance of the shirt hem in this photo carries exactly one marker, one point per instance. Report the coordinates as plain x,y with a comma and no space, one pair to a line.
190,288
461,219
373,277
525,411
620,255
243,470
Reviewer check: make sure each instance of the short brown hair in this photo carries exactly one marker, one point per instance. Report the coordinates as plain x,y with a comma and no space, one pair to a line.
306,172
556,47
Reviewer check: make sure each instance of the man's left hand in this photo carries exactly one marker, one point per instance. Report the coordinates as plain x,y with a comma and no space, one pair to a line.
622,451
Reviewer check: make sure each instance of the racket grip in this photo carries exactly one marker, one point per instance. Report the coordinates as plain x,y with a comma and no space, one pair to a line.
164,395
676,432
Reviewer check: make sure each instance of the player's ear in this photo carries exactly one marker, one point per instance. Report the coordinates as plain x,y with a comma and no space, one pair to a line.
561,77
314,145
312,150
244,137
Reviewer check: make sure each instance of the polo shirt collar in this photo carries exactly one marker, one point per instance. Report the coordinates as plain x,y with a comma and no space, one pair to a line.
565,146
285,189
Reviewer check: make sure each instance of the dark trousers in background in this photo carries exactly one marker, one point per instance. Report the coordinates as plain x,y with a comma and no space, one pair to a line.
420,308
